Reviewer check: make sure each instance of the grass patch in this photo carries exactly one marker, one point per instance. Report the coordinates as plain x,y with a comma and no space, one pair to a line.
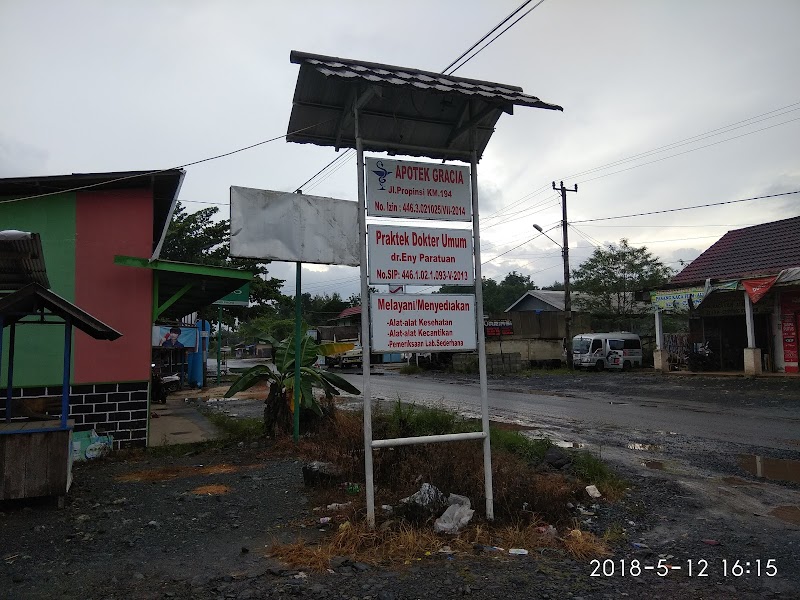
409,369
615,534
516,443
236,429
530,499
592,469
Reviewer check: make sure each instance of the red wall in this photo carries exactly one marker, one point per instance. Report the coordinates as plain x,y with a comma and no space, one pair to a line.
107,224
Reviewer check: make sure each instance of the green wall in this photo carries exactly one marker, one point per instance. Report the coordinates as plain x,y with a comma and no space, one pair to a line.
39,349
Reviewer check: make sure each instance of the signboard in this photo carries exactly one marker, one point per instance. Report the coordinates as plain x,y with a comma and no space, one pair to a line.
790,308
240,297
418,190
497,328
418,255
172,336
677,300
293,227
422,323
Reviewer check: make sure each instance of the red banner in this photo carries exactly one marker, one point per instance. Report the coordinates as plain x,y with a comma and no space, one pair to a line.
758,288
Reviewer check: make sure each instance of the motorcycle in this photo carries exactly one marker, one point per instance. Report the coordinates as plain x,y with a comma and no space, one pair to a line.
162,386
701,359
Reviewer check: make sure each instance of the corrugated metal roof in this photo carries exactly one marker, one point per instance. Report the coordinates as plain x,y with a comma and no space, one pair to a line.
347,312
554,298
165,185
413,112
21,260
760,250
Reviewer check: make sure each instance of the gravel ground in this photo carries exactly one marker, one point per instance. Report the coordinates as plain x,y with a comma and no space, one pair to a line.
197,526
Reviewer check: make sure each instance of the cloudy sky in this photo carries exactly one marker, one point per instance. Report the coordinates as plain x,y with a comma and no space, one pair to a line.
668,103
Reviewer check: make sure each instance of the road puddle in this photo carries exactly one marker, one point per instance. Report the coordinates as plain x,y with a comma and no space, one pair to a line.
777,469
654,464
790,514
643,447
553,440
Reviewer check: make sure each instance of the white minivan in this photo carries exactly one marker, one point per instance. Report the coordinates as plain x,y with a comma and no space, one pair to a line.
612,350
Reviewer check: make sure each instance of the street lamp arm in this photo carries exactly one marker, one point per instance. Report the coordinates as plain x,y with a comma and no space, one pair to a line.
540,230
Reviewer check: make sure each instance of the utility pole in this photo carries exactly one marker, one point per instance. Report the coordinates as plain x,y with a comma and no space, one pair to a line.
565,254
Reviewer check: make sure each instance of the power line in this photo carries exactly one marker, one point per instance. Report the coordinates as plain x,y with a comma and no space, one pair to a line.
668,210
490,42
736,137
495,28
698,137
711,133
157,171
340,157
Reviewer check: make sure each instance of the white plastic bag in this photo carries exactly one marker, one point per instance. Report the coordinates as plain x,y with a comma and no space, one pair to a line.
457,515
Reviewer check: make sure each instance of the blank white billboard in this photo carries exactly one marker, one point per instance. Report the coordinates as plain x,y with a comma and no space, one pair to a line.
272,225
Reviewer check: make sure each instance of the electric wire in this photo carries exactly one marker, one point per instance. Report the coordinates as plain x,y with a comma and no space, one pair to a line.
157,171
669,210
736,137
495,28
696,138
490,42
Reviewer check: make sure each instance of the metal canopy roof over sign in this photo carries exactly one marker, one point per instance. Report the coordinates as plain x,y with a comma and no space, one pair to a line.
402,110
21,260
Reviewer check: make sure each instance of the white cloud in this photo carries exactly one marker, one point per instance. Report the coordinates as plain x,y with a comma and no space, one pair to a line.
92,86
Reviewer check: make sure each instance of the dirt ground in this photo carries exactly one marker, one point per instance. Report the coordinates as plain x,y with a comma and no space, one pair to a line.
199,524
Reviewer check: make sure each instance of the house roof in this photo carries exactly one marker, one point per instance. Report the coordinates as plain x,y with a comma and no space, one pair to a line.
760,250
21,260
347,312
165,185
35,300
413,112
551,297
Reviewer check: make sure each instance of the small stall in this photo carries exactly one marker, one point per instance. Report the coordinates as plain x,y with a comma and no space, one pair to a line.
35,444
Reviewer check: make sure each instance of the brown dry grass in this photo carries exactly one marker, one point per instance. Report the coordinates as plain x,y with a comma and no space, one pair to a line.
526,501
584,545
399,543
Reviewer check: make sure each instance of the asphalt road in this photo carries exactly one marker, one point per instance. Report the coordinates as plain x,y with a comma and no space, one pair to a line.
761,424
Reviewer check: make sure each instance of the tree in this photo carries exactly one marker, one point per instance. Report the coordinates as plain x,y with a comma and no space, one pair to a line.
611,276
197,238
279,404
497,297
556,286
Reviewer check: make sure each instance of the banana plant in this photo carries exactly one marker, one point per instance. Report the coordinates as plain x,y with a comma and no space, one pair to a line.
279,404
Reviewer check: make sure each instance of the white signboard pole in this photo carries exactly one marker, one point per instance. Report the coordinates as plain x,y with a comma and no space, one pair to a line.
365,345
476,232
